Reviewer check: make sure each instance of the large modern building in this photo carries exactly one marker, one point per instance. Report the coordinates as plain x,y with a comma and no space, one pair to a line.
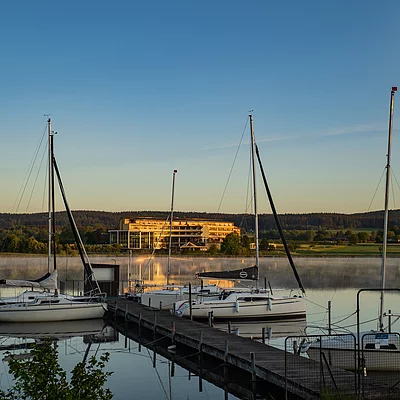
148,233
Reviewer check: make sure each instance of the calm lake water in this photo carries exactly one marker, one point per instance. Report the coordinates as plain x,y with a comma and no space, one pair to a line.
325,279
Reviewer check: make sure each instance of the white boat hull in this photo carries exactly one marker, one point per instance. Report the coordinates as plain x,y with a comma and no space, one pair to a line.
51,312
274,308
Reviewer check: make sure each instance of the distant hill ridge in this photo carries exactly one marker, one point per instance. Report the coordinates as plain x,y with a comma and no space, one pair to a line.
110,220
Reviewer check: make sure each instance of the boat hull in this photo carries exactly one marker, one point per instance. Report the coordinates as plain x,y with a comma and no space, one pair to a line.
275,308
51,313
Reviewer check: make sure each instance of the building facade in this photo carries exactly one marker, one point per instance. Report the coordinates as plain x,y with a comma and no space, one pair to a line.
148,233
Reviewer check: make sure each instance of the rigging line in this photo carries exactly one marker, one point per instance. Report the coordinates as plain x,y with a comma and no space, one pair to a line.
233,164
46,179
36,178
22,189
393,194
379,183
316,304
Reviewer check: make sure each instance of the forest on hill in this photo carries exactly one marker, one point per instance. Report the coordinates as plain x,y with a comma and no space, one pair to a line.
110,220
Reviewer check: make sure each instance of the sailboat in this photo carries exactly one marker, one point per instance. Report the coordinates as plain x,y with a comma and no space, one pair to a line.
42,302
254,303
166,296
378,350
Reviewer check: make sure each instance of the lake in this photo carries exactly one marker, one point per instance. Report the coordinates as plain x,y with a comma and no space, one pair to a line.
325,279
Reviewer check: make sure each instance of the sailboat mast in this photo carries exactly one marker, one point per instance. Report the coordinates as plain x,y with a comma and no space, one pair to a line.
386,213
170,226
253,163
49,241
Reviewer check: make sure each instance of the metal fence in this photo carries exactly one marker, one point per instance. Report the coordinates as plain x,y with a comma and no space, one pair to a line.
324,371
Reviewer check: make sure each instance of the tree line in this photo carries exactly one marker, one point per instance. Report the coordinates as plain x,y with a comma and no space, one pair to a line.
28,233
110,220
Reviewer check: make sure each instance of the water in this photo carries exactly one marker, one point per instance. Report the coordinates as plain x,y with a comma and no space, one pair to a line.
326,279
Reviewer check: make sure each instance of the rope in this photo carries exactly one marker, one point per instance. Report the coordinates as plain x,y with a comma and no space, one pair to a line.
380,180
233,164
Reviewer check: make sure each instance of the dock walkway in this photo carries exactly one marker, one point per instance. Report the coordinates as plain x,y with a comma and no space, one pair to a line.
298,375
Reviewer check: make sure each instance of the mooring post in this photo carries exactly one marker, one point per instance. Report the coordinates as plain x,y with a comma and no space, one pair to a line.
329,318
253,372
149,301
200,342
173,330
140,332
155,323
229,327
160,305
115,310
263,334
210,318
201,362
190,301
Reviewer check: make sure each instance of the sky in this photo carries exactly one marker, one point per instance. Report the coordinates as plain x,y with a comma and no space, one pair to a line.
137,89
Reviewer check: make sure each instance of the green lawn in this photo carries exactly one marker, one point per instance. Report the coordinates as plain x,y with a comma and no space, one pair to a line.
367,249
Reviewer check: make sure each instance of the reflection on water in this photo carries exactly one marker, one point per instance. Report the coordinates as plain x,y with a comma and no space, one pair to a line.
327,273
335,280
134,375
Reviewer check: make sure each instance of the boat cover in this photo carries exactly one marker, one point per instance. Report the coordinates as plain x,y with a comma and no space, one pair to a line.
250,273
48,281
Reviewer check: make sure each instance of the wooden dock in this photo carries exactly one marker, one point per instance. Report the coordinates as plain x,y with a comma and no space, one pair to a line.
298,376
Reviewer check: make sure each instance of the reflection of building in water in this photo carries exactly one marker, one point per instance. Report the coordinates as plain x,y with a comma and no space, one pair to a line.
193,234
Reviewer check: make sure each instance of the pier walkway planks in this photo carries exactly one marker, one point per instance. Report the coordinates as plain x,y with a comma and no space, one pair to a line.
299,375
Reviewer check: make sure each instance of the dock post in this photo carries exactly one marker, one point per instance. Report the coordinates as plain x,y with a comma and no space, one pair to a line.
140,332
200,342
226,375
329,318
149,301
253,373
201,362
210,318
173,329
190,302
229,327
115,310
160,305
155,323
263,334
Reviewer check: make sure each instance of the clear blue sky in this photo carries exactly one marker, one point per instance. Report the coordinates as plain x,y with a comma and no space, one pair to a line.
137,89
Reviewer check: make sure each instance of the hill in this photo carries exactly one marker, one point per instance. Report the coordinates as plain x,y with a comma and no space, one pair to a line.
312,221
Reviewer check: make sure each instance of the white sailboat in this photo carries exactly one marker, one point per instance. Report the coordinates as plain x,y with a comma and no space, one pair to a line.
43,302
246,304
169,294
377,350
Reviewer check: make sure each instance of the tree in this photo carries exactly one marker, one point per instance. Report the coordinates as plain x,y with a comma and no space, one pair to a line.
231,244
353,239
41,377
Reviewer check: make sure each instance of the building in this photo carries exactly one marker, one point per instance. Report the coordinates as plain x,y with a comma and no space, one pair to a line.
149,233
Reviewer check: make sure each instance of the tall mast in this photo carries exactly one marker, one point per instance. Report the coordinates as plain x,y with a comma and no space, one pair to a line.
49,241
253,163
170,226
386,214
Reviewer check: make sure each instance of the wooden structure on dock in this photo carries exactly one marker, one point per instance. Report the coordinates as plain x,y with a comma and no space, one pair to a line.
298,376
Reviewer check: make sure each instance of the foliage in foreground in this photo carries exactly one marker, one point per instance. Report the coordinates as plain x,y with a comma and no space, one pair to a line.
41,377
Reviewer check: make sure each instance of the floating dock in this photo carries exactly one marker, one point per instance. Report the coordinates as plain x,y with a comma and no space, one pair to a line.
299,377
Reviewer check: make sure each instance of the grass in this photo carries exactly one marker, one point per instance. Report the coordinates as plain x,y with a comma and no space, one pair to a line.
359,250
